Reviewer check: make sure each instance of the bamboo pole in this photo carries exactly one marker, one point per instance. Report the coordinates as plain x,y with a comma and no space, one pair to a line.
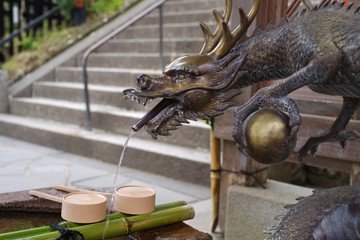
215,179
126,225
66,224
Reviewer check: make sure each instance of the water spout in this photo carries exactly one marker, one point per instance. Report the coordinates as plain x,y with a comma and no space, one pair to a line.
151,114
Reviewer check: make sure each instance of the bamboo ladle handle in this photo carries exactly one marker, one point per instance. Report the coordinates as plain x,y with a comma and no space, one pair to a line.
45,196
66,188
72,189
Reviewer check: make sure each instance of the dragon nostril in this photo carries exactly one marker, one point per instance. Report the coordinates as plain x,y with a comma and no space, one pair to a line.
143,81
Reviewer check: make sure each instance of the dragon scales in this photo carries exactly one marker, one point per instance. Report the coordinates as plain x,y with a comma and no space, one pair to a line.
331,214
318,48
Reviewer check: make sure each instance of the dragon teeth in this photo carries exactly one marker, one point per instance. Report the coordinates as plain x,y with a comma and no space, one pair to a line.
143,100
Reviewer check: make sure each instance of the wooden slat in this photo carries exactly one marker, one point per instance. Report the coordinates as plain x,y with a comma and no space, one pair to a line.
310,102
271,10
313,125
324,162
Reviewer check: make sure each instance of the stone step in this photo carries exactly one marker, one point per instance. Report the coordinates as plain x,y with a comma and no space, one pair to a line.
185,16
108,118
170,45
182,163
184,11
185,5
130,60
174,30
138,43
104,76
99,94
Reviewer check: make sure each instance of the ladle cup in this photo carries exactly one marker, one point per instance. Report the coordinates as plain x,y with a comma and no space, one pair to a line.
133,199
78,207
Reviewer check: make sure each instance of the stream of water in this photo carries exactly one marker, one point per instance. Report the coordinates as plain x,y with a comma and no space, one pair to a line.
111,204
122,157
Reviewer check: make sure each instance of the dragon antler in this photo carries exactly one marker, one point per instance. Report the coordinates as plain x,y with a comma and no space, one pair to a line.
219,43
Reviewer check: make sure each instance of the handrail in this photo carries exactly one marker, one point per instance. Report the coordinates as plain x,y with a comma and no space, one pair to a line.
99,43
31,24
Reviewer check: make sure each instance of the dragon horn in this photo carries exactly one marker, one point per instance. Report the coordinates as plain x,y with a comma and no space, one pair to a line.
211,40
219,43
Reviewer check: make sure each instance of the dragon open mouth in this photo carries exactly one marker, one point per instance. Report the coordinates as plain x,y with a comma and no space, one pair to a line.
163,104
161,119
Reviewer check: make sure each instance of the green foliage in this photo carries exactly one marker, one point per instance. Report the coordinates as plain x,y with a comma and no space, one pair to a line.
27,43
66,7
98,7
101,7
39,49
210,121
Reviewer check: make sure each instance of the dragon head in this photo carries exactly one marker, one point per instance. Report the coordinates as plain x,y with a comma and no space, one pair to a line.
195,86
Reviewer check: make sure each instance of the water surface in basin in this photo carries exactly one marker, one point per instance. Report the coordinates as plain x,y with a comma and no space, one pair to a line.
14,221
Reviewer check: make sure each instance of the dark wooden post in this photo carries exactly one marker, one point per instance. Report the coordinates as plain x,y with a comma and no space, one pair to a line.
356,2
11,25
28,14
38,11
2,18
271,10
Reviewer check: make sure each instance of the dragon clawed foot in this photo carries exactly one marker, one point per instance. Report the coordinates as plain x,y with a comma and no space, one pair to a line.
267,98
309,146
242,113
343,136
312,143
237,129
237,134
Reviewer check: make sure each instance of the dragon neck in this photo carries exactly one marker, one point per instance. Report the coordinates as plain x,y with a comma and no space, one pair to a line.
266,57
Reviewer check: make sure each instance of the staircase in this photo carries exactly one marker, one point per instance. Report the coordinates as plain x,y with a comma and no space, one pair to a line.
52,111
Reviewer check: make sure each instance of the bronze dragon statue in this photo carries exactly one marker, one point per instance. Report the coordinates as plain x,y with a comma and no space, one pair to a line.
319,48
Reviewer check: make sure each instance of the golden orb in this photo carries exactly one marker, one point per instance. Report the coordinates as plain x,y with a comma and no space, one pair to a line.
266,136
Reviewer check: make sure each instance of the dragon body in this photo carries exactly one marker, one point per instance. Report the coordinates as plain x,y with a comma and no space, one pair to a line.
318,48
332,214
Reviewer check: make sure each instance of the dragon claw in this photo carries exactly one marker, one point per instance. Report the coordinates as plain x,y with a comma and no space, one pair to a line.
300,156
312,143
294,131
343,136
313,150
240,147
309,146
343,144
302,153
237,135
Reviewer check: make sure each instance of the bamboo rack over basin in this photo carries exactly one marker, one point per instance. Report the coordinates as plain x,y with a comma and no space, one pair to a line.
118,224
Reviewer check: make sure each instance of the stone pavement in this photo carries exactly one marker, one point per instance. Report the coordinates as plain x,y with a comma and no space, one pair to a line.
28,166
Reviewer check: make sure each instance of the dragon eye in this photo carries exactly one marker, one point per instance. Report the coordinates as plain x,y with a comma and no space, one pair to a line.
180,75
